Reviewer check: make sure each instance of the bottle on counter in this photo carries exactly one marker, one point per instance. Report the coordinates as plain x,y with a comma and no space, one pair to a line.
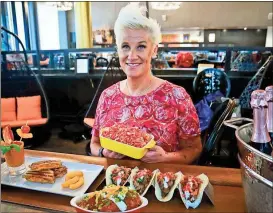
260,139
269,119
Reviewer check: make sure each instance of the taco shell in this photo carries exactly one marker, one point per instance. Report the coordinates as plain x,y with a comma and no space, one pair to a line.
108,174
196,203
169,196
133,173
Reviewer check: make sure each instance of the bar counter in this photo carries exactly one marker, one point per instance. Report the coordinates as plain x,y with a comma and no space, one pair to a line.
227,184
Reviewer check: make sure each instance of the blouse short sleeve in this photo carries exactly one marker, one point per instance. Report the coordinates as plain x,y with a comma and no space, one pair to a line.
99,111
188,121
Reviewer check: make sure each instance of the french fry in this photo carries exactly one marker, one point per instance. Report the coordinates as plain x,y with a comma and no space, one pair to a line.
72,174
77,184
73,180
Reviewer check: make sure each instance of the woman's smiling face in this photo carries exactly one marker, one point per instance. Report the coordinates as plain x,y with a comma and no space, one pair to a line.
135,51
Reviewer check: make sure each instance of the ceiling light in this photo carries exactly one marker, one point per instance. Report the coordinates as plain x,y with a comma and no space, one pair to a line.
224,30
258,30
165,5
62,6
212,37
245,28
270,15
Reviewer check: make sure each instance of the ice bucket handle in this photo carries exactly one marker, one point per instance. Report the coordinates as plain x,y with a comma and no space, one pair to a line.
230,122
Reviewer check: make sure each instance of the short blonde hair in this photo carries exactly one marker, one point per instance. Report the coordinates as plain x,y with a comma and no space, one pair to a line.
132,17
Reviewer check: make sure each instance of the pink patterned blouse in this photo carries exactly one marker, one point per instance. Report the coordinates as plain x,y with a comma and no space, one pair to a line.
167,113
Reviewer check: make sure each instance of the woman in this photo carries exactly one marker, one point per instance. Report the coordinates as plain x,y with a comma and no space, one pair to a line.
159,107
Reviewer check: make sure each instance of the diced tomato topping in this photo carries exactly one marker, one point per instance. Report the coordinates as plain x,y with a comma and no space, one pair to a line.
169,175
143,173
110,206
121,173
191,185
132,202
132,136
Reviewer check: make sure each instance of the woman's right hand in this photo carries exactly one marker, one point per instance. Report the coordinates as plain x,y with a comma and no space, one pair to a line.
110,154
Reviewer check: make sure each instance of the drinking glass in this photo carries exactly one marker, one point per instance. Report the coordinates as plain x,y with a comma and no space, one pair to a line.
16,160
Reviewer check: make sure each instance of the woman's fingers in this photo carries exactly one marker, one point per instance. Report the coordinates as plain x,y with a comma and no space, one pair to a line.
106,153
152,157
153,148
111,154
146,160
117,155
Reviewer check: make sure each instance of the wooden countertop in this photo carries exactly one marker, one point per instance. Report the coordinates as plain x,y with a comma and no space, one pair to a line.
229,196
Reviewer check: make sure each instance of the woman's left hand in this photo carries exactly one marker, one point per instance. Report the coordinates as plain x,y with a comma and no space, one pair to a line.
155,155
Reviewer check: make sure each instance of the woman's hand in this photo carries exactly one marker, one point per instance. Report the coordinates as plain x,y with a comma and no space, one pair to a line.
110,154
154,155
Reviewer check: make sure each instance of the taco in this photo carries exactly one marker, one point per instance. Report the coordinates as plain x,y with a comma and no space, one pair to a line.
191,189
111,199
118,175
141,180
165,184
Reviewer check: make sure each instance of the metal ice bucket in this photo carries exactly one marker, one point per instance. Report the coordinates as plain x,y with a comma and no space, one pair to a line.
256,169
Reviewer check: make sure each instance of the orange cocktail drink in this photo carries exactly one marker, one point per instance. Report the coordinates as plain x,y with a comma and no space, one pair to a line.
16,159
